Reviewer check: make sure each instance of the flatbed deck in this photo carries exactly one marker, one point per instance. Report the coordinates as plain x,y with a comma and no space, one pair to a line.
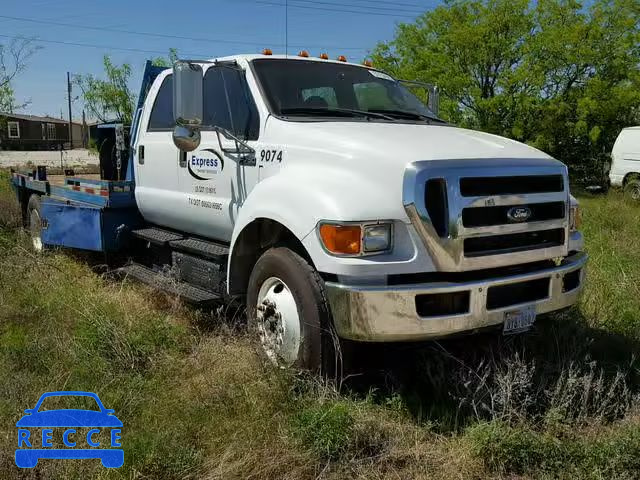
85,189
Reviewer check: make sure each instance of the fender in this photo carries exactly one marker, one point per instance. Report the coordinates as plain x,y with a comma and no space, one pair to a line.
288,199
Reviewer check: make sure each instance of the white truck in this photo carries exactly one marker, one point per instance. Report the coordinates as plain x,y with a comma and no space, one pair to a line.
625,162
330,198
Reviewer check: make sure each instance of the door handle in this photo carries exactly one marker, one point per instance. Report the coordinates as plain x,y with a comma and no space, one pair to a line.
182,158
141,154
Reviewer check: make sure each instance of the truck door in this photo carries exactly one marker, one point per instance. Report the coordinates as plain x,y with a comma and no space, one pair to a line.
157,186
214,184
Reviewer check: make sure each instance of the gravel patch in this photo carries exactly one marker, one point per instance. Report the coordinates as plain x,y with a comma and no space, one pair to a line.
65,158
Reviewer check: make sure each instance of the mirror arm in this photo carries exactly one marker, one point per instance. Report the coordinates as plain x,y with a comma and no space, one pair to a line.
248,153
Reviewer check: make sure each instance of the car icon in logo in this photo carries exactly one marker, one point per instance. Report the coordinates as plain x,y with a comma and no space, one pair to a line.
519,214
101,422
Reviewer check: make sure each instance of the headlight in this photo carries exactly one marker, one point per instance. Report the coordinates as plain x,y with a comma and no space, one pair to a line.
376,238
575,217
355,239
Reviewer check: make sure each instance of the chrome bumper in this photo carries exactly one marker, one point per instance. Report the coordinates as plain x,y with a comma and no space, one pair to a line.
389,313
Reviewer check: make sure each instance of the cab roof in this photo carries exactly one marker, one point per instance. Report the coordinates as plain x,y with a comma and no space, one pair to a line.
251,57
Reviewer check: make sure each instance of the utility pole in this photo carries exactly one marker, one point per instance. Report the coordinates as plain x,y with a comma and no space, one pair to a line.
84,130
69,99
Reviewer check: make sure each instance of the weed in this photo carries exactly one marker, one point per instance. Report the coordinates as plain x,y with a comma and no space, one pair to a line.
326,428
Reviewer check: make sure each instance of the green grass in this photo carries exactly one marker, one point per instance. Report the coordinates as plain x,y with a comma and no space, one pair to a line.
197,401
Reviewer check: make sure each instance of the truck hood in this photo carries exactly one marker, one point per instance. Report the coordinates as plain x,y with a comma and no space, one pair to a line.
352,171
400,143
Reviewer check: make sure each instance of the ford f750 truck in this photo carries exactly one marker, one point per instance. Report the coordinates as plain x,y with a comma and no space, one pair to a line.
328,197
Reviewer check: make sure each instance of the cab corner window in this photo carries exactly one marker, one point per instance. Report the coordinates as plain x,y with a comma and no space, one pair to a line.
161,118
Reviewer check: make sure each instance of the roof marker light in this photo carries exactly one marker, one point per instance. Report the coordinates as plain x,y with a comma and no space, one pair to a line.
324,56
367,63
303,53
267,51
342,58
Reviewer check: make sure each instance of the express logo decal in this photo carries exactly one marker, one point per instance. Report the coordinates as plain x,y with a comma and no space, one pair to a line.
69,433
205,164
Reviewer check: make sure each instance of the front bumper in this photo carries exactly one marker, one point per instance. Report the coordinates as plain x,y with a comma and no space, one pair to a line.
389,313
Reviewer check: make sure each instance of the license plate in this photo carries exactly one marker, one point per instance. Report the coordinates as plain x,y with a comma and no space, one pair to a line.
518,321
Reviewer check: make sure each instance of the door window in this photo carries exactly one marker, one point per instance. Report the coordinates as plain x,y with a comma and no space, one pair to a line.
228,102
161,118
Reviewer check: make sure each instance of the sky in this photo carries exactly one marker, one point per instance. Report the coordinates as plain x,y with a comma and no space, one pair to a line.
214,28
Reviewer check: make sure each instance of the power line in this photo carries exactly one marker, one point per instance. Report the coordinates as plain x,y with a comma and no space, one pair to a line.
326,9
163,35
105,47
424,7
364,7
119,30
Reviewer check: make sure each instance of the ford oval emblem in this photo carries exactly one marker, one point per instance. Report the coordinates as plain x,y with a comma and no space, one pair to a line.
519,214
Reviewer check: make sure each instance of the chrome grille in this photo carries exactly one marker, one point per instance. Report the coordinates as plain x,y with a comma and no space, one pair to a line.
489,216
462,211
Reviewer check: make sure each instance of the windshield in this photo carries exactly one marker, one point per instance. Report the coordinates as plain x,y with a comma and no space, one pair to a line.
321,89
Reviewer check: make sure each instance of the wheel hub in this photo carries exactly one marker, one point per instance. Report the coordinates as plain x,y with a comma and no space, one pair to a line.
278,322
35,226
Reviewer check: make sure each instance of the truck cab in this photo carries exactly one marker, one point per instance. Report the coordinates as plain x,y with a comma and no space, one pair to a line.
351,208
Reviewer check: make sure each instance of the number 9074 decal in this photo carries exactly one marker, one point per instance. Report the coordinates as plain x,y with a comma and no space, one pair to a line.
271,156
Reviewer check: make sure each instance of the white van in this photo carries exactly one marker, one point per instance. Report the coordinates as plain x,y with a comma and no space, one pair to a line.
625,162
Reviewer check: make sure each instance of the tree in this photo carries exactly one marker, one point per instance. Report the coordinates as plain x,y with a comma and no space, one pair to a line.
552,73
166,62
112,99
13,61
109,99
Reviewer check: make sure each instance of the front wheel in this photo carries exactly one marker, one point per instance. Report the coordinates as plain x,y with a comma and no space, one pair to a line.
632,189
289,311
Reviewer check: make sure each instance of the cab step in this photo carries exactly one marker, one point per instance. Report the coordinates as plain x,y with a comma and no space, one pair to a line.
214,251
170,285
156,235
203,248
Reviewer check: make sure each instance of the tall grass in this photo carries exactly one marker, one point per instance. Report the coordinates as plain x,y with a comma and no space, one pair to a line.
197,401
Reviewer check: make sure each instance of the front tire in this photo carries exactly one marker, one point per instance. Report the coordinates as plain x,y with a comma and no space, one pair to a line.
632,189
288,309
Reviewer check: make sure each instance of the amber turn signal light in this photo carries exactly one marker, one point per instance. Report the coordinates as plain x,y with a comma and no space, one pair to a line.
341,239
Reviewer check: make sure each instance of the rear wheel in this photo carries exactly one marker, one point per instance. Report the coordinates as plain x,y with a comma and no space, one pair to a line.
34,217
632,189
289,312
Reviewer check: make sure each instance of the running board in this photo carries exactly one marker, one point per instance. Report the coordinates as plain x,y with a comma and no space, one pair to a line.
156,235
204,248
170,285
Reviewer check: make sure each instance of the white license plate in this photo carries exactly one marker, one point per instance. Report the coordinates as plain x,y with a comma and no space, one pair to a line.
517,321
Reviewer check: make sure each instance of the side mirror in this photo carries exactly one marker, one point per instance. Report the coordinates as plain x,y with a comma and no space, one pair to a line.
187,105
434,99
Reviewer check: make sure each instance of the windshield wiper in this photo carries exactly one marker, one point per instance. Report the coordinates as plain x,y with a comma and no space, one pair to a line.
335,112
408,115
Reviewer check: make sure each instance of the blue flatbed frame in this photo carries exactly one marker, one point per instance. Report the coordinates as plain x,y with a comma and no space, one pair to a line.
87,213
